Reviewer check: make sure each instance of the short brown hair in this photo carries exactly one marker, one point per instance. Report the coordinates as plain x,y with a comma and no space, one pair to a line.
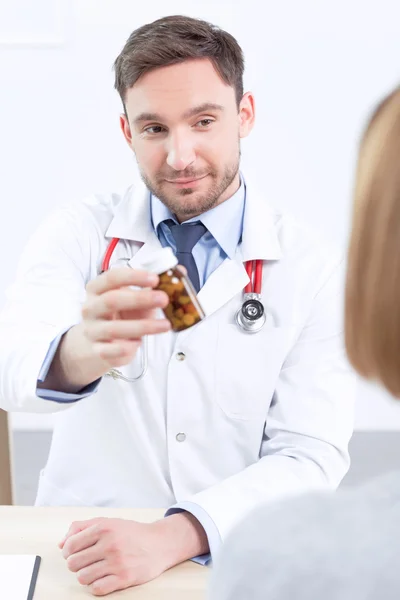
172,40
373,275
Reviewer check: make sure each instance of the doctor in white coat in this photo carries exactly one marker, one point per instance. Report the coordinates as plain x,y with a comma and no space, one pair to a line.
223,420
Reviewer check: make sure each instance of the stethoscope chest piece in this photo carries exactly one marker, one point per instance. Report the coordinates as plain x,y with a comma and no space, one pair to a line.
251,315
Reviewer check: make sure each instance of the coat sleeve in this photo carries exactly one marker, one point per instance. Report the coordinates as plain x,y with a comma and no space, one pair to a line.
44,300
309,424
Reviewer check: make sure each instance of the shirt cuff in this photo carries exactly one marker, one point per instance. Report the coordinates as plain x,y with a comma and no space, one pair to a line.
54,395
213,535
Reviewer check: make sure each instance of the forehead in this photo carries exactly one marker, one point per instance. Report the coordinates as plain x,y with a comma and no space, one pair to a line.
176,88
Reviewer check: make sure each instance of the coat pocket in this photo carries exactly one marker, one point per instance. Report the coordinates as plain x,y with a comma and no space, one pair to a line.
248,368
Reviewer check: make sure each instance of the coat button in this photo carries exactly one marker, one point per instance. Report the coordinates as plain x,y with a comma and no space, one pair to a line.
181,437
180,356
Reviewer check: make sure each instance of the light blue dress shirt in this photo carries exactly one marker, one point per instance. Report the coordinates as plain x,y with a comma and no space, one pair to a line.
224,225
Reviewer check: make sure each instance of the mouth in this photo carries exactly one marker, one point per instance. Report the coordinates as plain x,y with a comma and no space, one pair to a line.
186,182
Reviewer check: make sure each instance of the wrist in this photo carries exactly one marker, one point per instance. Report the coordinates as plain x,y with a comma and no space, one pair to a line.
184,538
73,366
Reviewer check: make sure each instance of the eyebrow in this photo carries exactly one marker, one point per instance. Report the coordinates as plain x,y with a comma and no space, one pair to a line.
206,106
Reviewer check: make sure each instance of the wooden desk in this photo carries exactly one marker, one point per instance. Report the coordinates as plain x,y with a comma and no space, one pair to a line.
37,530
6,495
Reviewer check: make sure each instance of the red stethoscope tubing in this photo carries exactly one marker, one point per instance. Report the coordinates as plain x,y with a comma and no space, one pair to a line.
253,269
107,257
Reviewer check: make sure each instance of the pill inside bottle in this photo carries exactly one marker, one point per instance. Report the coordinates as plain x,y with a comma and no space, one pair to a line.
183,309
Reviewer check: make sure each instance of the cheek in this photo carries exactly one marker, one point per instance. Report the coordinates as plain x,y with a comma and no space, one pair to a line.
219,149
225,141
150,156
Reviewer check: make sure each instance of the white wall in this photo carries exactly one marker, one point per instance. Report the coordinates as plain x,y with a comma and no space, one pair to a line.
316,67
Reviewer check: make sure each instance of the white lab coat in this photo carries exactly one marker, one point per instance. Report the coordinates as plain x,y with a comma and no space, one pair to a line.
265,415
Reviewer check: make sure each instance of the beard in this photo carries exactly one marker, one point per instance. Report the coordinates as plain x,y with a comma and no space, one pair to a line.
188,202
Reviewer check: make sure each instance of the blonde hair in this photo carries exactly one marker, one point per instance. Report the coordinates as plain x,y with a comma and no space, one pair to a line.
373,274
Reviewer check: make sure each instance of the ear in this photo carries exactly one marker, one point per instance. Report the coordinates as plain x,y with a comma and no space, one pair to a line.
126,129
246,114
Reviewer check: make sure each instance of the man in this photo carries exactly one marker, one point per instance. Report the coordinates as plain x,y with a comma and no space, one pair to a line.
222,420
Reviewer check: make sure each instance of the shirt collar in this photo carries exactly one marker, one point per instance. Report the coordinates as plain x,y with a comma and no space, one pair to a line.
224,222
159,212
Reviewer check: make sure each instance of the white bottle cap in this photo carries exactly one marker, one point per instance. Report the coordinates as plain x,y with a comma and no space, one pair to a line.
160,261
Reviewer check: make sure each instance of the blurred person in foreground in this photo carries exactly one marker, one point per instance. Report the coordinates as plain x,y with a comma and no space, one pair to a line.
325,546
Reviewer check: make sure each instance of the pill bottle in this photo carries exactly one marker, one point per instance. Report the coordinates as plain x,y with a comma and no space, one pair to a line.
183,309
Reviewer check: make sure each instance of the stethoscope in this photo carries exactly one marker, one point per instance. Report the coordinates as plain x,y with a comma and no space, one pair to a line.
250,317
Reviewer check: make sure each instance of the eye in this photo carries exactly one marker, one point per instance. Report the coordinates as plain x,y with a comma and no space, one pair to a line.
153,130
205,123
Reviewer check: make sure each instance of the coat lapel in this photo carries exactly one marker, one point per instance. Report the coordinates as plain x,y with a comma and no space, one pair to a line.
259,241
132,221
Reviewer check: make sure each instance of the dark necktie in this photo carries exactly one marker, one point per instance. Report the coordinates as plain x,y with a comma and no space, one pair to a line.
186,237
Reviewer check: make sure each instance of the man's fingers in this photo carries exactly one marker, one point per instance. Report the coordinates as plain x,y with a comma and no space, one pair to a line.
81,540
107,331
145,313
122,300
85,558
74,528
93,572
107,585
77,526
120,277
121,349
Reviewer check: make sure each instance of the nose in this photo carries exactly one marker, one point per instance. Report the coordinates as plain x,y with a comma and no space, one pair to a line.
180,153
